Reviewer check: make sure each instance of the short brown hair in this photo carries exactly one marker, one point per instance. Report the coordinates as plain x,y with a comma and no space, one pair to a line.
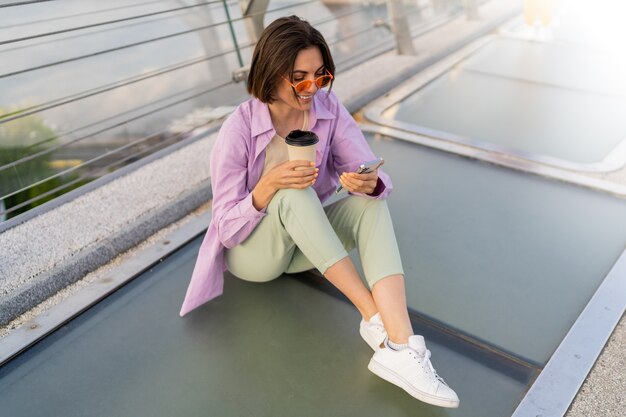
275,54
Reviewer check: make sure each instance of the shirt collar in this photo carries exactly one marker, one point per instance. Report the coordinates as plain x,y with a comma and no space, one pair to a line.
319,111
261,120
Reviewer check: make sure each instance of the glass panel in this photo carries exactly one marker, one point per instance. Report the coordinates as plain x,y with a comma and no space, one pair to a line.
527,118
281,348
507,257
551,64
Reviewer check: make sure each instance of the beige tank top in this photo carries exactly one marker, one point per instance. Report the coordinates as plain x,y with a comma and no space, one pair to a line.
276,151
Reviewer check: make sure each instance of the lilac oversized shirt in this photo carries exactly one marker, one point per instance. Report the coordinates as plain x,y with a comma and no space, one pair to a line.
237,161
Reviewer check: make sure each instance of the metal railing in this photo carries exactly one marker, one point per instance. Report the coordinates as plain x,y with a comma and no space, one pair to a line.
90,91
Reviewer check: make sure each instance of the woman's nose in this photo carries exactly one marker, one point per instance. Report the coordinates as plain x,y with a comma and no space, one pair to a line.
313,88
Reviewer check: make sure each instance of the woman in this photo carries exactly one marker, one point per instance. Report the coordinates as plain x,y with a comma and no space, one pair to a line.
268,217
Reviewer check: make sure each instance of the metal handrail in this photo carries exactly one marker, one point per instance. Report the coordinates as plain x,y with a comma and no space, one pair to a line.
115,125
119,124
94,32
87,126
346,14
354,34
108,22
27,111
51,19
7,117
23,3
131,45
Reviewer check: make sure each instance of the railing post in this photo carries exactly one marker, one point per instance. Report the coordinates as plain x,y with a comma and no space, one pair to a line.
232,33
255,11
204,16
400,27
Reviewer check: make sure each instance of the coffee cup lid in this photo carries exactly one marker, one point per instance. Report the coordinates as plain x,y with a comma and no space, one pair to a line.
301,138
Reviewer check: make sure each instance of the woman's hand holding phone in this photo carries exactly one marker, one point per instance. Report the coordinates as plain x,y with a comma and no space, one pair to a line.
359,183
364,180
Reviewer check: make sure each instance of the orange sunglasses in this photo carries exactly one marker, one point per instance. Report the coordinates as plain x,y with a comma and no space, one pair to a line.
321,82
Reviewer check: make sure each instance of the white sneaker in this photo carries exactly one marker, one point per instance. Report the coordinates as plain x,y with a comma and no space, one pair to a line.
373,331
411,370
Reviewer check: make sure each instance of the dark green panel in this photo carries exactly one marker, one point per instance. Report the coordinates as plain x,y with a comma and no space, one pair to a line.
524,117
507,257
278,349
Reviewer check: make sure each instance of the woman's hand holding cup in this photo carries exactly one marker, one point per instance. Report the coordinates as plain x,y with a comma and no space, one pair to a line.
292,174
299,172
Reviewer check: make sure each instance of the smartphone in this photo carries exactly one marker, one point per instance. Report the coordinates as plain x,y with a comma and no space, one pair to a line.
365,168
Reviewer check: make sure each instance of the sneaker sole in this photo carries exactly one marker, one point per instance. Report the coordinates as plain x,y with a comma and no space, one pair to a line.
390,376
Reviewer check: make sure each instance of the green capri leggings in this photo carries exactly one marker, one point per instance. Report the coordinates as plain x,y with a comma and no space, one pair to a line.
299,234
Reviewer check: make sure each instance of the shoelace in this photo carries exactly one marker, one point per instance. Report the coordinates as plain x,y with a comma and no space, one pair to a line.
426,358
430,365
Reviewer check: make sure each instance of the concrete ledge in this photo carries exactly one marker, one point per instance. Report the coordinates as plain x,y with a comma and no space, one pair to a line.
45,254
603,392
99,253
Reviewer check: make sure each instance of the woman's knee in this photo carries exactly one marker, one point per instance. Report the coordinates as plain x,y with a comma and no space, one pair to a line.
374,204
359,204
295,194
375,208
288,197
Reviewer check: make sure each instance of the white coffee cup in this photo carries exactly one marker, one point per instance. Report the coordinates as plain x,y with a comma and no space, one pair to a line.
302,145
